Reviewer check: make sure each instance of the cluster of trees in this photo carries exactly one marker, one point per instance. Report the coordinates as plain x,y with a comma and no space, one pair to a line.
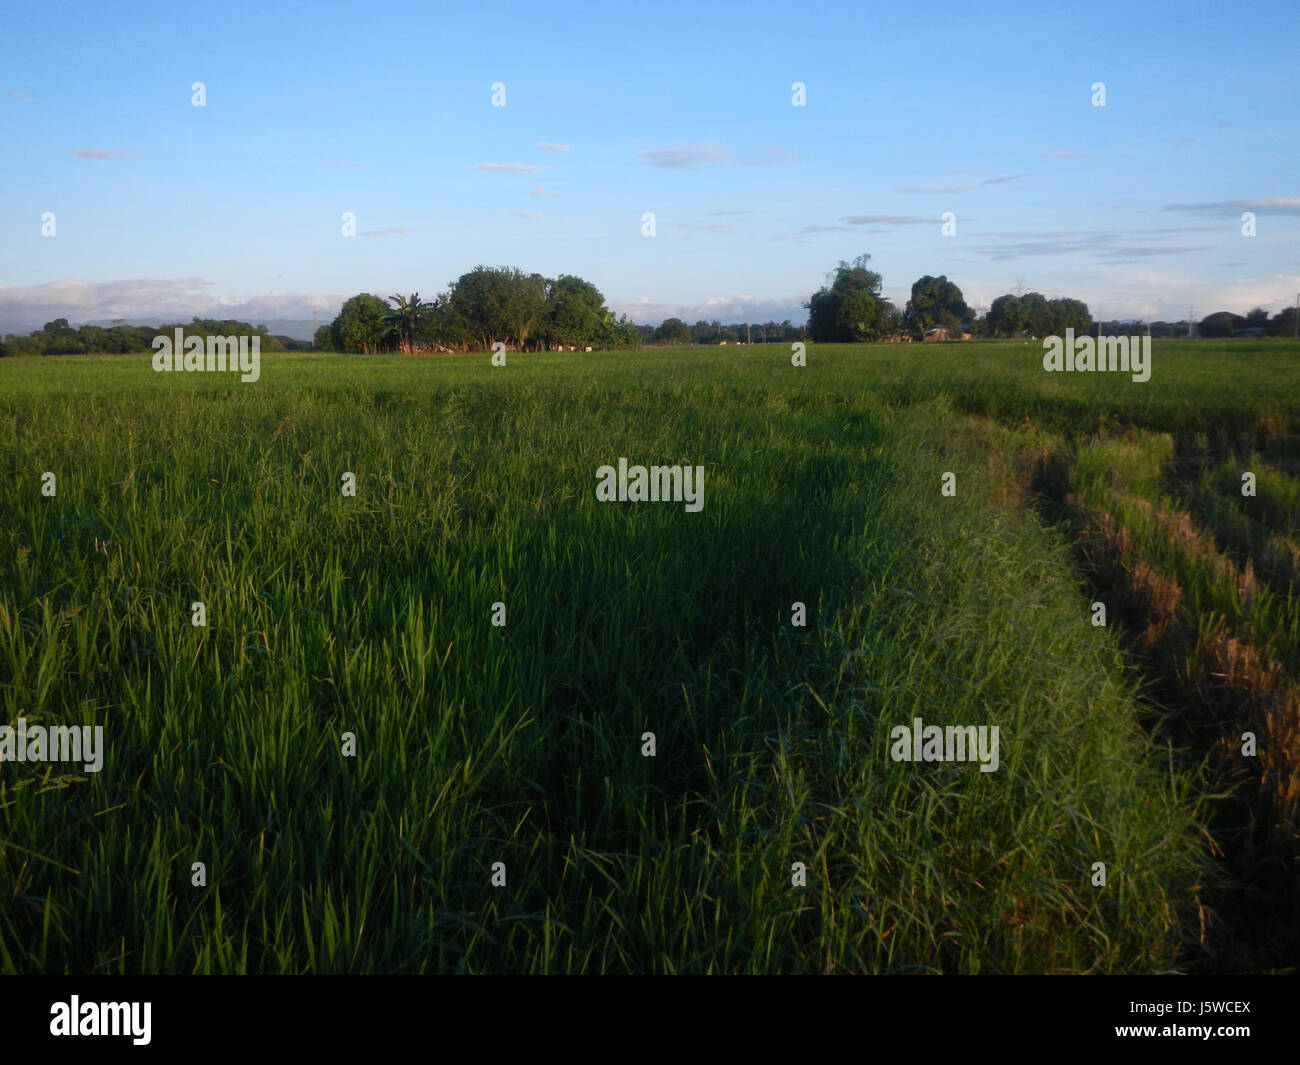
1217,325
676,332
1130,327
849,307
485,306
58,338
1033,313
1226,324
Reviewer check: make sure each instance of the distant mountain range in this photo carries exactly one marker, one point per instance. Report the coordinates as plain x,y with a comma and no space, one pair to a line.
297,328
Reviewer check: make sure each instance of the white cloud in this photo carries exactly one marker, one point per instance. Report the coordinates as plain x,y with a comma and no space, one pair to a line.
691,156
1160,296
725,309
27,307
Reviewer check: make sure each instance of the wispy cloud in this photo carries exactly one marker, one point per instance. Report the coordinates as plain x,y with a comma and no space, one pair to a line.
766,155
524,214
1067,155
391,231
705,227
514,168
1274,205
685,156
1107,247
720,214
812,231
551,146
1053,234
19,95
954,190
692,156
886,220
539,191
96,153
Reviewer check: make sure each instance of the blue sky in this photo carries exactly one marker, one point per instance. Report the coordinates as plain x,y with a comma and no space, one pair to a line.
166,209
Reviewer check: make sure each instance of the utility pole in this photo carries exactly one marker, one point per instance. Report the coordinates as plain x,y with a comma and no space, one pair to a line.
1191,319
1020,287
1297,316
314,327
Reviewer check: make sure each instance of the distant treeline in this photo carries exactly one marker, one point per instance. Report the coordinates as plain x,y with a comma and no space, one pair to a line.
59,338
529,312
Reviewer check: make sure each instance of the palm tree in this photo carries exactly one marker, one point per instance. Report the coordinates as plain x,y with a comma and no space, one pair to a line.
405,318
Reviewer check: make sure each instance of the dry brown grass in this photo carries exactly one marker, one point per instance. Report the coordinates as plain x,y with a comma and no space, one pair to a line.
1226,684
1270,703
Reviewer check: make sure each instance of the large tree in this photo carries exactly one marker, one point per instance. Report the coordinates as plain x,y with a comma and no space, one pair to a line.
1283,324
1006,316
856,317
1069,314
1220,324
936,300
497,304
575,313
673,331
362,324
825,323
1037,313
